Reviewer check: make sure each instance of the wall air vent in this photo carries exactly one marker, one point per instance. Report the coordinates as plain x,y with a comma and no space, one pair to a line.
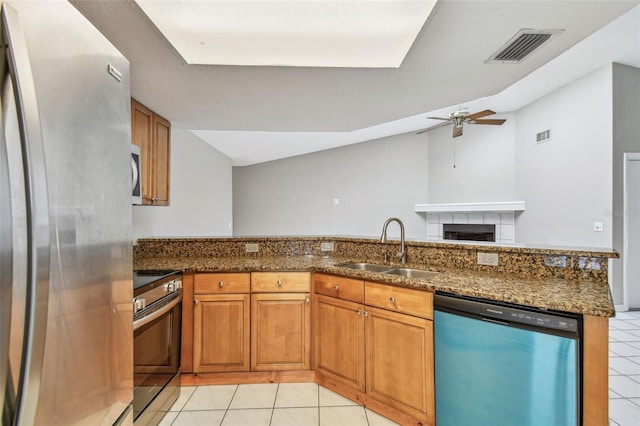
521,45
543,136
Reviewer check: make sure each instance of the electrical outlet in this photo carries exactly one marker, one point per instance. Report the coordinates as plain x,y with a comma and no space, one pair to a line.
251,247
490,259
598,226
326,246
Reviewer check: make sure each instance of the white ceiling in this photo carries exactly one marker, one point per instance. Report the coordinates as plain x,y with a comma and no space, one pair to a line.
256,114
325,33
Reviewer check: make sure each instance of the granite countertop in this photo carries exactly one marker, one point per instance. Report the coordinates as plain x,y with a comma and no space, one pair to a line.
582,297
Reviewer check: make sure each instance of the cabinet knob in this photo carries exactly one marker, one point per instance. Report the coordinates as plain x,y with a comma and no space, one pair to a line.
279,282
195,301
306,300
336,287
358,312
220,284
392,299
366,314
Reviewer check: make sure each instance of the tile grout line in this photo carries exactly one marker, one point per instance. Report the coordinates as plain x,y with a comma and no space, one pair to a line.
627,345
318,388
273,408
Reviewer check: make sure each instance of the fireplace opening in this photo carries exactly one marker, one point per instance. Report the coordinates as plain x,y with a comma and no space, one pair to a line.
469,232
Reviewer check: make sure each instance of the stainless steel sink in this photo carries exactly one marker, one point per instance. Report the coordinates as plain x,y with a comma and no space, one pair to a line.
391,270
370,267
411,273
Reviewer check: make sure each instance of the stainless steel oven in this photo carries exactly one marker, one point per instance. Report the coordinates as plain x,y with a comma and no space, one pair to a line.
157,319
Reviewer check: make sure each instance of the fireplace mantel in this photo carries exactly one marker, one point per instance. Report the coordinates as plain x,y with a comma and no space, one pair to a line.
498,206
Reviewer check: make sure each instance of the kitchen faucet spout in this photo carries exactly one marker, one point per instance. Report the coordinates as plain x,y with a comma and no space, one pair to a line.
402,254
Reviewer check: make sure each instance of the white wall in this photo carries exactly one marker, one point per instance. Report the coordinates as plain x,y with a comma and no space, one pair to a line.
373,181
201,200
566,182
626,138
484,159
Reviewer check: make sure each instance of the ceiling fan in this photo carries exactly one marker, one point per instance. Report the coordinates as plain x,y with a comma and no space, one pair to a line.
458,118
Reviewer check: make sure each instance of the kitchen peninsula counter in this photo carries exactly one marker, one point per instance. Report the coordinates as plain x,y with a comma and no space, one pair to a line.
567,295
559,279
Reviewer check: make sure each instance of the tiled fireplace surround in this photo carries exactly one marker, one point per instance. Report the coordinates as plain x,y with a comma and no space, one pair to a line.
504,222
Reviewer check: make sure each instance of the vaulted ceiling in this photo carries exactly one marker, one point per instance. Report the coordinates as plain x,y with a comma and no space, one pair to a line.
328,106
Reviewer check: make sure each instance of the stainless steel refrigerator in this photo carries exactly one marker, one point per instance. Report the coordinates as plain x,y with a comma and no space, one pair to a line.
66,340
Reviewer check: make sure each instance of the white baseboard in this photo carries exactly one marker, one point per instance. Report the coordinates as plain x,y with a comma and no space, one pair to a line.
621,308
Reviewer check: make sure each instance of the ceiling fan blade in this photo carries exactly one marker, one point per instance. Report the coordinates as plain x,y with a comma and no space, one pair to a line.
431,128
494,121
457,131
437,118
480,114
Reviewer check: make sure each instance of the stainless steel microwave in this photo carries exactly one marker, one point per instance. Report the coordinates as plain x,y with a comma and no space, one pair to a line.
136,175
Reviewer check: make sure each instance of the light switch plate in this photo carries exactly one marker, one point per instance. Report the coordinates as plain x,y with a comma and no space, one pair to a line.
251,247
490,259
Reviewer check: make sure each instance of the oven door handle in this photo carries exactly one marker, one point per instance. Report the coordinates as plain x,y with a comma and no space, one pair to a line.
157,314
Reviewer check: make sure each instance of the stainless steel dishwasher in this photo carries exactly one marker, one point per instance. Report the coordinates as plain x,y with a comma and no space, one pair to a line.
501,364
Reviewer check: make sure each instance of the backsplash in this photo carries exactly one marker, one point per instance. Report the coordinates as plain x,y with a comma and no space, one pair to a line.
525,262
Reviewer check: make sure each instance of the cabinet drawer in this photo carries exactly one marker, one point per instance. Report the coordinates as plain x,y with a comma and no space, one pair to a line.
399,299
280,282
219,283
340,287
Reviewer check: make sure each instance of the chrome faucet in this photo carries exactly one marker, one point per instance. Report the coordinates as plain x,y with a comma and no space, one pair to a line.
402,254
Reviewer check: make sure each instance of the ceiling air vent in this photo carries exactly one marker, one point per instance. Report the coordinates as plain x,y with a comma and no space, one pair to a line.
521,45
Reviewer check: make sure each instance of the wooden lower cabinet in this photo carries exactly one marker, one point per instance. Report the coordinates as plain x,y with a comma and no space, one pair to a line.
339,341
221,333
379,356
280,331
399,359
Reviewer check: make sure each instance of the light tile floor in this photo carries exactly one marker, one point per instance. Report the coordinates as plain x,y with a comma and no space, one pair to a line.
284,404
301,404
624,369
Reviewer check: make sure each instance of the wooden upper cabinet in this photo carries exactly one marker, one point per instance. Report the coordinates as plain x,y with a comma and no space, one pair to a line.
152,134
141,134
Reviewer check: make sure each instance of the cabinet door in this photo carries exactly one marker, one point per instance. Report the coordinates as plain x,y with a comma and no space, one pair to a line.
142,135
400,362
221,333
162,159
280,331
280,282
152,134
221,283
340,287
339,341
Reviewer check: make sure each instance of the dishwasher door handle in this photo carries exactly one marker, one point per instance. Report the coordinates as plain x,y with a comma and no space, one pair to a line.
495,321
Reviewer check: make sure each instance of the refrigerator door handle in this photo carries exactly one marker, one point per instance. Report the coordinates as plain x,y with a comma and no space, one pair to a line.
38,229
6,254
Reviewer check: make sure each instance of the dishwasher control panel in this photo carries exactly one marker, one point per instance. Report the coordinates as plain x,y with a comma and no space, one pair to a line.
544,320
505,314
